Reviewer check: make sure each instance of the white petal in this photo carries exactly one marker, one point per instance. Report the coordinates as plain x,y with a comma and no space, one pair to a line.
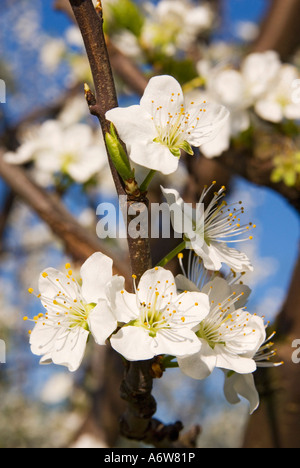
211,124
211,259
179,342
243,385
235,259
134,125
219,144
125,307
194,307
155,156
157,280
184,284
96,272
269,110
42,338
55,281
102,322
69,349
200,365
182,215
162,91
239,364
134,343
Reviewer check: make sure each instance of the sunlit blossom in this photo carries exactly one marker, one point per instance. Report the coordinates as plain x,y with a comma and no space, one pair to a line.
73,311
163,124
213,229
156,320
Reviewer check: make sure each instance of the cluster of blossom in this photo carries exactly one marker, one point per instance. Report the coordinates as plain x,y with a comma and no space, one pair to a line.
260,86
143,31
198,319
57,148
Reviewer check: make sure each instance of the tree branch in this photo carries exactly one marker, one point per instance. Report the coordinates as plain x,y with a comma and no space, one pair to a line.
137,421
280,29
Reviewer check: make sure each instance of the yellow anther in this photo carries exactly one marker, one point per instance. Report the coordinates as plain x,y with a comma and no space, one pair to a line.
30,290
25,319
68,266
44,275
180,256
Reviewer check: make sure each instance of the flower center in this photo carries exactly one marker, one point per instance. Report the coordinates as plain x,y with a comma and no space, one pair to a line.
174,128
68,309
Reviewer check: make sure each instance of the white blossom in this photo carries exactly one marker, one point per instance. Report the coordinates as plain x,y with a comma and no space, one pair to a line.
54,148
156,320
277,104
229,335
156,130
74,311
211,230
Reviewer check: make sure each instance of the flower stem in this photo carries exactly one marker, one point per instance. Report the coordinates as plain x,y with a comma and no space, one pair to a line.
144,186
172,254
169,363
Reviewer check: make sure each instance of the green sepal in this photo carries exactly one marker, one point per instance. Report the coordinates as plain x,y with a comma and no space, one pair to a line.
118,157
187,148
176,152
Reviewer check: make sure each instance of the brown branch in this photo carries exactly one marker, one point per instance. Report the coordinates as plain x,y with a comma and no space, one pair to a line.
136,388
280,29
90,23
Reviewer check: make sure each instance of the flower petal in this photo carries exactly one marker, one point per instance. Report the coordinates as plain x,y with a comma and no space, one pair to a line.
157,280
166,342
200,365
125,307
52,281
239,364
163,92
96,272
69,348
102,322
134,343
243,385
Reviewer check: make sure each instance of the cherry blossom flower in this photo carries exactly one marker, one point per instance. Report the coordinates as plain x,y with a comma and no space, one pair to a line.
213,229
174,25
277,103
163,124
55,148
238,90
156,320
74,311
229,335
